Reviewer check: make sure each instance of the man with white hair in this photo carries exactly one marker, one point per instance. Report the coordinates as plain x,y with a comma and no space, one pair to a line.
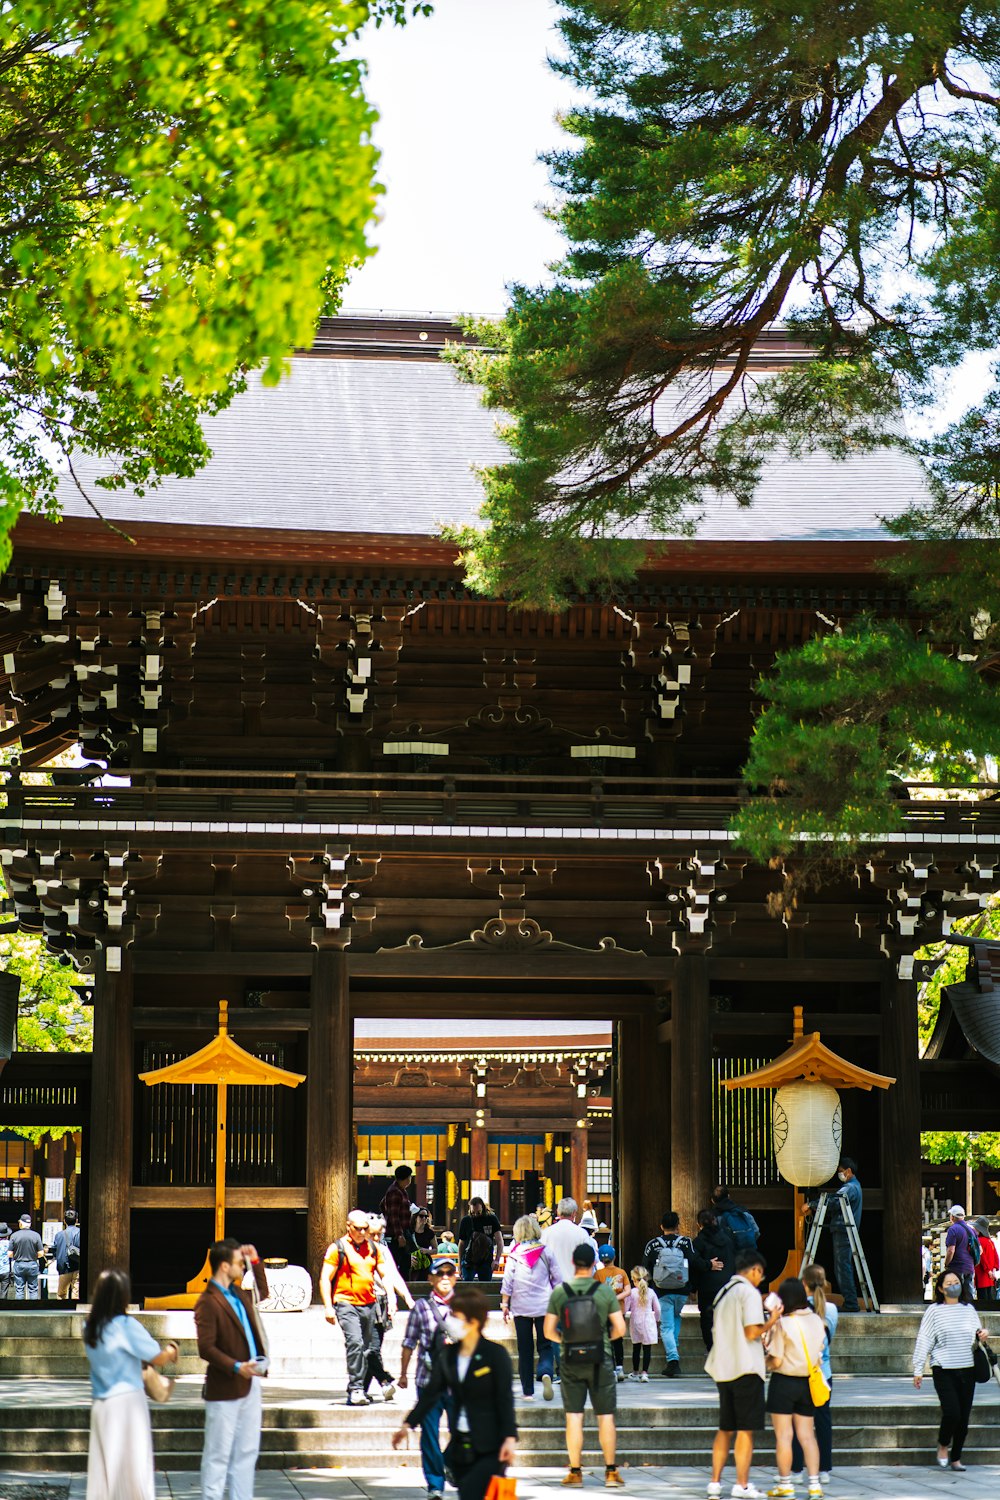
958,1252
564,1235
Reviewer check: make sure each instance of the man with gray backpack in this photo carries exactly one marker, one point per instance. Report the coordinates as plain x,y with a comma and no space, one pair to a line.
673,1265
583,1318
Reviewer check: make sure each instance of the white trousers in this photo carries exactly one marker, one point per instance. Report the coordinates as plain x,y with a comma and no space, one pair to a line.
232,1442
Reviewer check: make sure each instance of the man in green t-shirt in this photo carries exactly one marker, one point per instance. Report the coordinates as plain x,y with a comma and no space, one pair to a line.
596,1379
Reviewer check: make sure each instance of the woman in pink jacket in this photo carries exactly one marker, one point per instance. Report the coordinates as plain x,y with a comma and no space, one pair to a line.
528,1279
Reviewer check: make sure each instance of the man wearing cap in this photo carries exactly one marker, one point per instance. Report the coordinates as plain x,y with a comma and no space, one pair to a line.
348,1287
26,1250
425,1336
614,1276
958,1252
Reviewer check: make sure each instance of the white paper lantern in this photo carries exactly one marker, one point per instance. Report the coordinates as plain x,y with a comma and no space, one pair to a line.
806,1127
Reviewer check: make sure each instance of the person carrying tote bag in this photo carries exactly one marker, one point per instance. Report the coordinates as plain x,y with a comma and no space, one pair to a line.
794,1351
120,1455
949,1333
477,1374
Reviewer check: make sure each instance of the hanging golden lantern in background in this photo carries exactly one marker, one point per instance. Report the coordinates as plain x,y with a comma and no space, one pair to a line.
807,1128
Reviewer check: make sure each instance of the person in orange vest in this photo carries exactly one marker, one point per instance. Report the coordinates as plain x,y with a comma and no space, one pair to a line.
349,1290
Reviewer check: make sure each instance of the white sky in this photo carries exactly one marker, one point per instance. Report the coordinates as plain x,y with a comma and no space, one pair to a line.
467,102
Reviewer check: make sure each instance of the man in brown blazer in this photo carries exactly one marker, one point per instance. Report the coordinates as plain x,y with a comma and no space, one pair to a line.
231,1341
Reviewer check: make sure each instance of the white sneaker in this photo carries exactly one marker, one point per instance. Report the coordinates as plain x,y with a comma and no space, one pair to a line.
631,1375
746,1492
645,1376
824,1476
815,1489
619,1373
714,1489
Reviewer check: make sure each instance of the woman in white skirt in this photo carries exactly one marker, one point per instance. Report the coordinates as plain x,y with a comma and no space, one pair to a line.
120,1460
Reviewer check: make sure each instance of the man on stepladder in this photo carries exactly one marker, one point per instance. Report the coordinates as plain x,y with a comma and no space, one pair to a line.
843,1263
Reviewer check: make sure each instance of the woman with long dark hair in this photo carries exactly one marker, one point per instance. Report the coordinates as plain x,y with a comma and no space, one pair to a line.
120,1459
715,1258
796,1342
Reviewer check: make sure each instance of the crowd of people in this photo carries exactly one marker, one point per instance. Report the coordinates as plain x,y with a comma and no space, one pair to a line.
571,1305
25,1259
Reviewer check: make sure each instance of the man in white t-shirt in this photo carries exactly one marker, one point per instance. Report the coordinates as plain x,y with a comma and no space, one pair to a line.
564,1235
736,1364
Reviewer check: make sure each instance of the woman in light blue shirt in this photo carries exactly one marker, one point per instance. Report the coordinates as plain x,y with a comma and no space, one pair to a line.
120,1458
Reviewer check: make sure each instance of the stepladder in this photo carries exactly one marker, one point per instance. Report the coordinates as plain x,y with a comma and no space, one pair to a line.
862,1275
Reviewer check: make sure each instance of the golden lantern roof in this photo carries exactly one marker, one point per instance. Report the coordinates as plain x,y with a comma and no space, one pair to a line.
810,1059
223,1061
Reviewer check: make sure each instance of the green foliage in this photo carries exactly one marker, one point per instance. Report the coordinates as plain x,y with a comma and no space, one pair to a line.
955,1146
51,1017
833,168
845,717
827,166
180,187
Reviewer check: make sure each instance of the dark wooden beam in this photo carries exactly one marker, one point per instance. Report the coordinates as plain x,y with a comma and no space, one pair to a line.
900,1117
496,965
797,970
330,1159
830,1023
109,1147
534,1005
642,1131
234,965
258,1018
692,1163
204,1197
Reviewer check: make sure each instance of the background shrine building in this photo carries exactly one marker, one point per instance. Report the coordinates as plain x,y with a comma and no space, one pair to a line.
347,795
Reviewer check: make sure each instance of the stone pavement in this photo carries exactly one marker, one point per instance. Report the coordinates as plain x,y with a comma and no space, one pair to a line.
404,1482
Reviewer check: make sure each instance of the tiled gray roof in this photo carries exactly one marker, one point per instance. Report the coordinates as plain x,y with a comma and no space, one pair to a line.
387,445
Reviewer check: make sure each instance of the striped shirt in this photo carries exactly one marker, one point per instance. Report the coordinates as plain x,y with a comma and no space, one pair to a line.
945,1337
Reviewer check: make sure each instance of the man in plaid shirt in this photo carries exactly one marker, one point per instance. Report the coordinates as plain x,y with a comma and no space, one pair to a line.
426,1335
397,1209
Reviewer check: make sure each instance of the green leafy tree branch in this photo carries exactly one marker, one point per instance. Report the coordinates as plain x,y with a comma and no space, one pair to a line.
182,187
831,168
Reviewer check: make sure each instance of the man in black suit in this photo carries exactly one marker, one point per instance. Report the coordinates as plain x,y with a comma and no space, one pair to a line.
478,1376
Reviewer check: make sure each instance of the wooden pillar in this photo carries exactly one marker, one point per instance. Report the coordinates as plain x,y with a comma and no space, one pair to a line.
692,1154
421,1170
642,1135
330,1159
557,1167
109,1152
578,1163
479,1159
902,1219
457,1177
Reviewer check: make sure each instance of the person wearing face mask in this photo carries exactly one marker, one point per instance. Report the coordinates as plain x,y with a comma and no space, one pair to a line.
425,1336
477,1376
948,1330
843,1265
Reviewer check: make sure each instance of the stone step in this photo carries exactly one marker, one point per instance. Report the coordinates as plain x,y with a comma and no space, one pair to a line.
304,1346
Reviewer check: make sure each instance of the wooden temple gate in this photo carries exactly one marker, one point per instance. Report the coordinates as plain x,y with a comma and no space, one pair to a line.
345,787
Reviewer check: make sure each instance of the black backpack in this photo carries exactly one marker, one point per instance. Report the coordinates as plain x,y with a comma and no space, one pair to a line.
581,1327
480,1248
